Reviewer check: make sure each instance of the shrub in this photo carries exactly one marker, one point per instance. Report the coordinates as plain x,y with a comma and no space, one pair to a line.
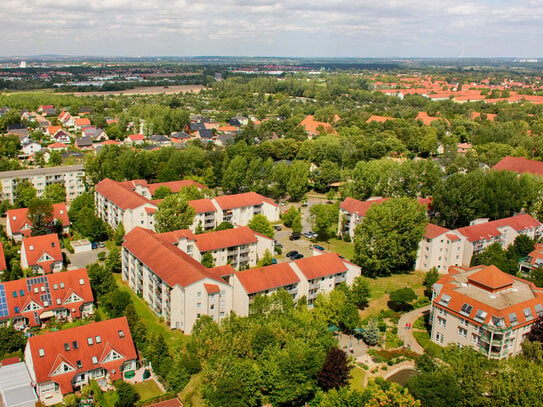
68,246
101,256
382,326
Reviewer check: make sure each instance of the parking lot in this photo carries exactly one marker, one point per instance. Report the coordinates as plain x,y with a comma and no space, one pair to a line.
81,260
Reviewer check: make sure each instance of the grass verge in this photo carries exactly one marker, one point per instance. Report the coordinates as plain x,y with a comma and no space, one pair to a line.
357,379
147,389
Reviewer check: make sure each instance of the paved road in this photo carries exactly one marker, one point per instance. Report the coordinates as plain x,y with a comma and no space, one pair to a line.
407,334
81,260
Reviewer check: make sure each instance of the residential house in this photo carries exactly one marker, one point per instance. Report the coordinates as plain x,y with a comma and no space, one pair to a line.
520,165
96,133
239,209
19,226
314,127
66,119
463,148
18,129
81,123
61,136
16,385
305,277
57,147
30,147
179,137
64,361
30,302
71,177
160,140
44,108
534,260
143,188
134,139
42,254
84,143
52,130
427,120
484,308
440,248
177,287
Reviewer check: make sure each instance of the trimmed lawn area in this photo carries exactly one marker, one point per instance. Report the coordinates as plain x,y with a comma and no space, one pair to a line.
345,249
382,286
147,389
151,321
357,378
110,397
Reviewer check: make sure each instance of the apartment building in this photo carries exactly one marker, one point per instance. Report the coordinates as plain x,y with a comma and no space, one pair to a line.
62,362
305,277
484,308
441,247
534,260
352,212
19,226
130,202
29,302
42,254
71,177
177,287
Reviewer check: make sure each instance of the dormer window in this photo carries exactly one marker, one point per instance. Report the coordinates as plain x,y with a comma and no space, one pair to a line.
81,281
66,347
41,352
61,285
98,339
94,360
90,341
31,247
121,334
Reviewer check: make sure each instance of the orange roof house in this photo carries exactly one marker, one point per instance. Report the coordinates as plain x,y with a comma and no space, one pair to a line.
379,119
42,254
520,165
82,121
427,120
313,127
18,225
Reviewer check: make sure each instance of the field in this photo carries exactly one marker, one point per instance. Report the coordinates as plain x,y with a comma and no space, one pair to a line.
382,286
151,90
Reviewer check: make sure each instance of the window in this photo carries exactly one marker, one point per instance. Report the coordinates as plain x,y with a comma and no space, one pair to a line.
475,339
121,334
466,309
480,315
66,347
75,345
442,311
16,310
81,281
199,294
463,322
59,301
527,313
90,341
513,318
198,305
55,286
41,352
94,360
21,292
79,364
445,299
98,339
441,321
439,338
14,294
61,285
463,332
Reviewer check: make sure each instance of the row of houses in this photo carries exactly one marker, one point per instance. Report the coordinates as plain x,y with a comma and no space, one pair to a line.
180,289
130,203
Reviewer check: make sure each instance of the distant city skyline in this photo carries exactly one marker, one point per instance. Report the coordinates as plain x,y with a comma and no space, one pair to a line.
332,28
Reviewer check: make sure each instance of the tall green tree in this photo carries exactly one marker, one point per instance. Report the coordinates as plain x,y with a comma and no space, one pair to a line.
387,239
55,193
24,194
262,225
298,180
174,213
40,213
324,220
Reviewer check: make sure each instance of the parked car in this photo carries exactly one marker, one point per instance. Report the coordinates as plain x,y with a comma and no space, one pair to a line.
101,245
277,227
94,245
274,261
318,248
297,256
292,253
294,236
277,244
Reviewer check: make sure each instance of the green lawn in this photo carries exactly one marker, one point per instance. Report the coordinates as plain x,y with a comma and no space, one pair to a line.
381,286
110,397
357,378
152,322
147,389
345,249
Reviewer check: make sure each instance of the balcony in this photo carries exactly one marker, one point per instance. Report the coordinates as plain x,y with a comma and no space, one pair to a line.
314,286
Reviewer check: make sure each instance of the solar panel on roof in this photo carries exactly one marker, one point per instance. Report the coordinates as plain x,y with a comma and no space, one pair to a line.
4,312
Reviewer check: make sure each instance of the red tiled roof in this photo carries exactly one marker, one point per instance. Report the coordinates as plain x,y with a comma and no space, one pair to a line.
120,194
82,122
426,202
109,142
61,287
174,236
212,288
10,361
360,207
2,257
380,119
36,246
175,186
241,200
310,125
491,277
221,271
53,346
452,237
135,137
166,260
56,145
322,265
224,238
489,229
520,165
433,231
202,205
18,218
427,119
267,278
168,403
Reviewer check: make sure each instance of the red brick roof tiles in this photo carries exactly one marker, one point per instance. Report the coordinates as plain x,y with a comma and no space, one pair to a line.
18,218
267,278
520,165
2,257
120,194
225,238
167,261
36,246
202,205
360,207
490,229
175,186
52,345
241,200
320,266
433,231
491,277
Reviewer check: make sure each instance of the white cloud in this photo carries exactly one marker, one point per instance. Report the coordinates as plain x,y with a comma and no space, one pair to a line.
268,27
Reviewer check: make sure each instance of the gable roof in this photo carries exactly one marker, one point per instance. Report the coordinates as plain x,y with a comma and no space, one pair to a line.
311,125
120,194
167,261
432,231
175,186
380,119
325,264
54,288
267,278
82,121
492,278
17,218
36,246
520,165
2,258
52,345
241,200
490,229
224,238
202,205
360,207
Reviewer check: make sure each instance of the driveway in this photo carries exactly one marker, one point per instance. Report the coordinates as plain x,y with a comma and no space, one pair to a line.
407,334
81,260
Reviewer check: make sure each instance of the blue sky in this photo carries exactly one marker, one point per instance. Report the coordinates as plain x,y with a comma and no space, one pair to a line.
330,28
